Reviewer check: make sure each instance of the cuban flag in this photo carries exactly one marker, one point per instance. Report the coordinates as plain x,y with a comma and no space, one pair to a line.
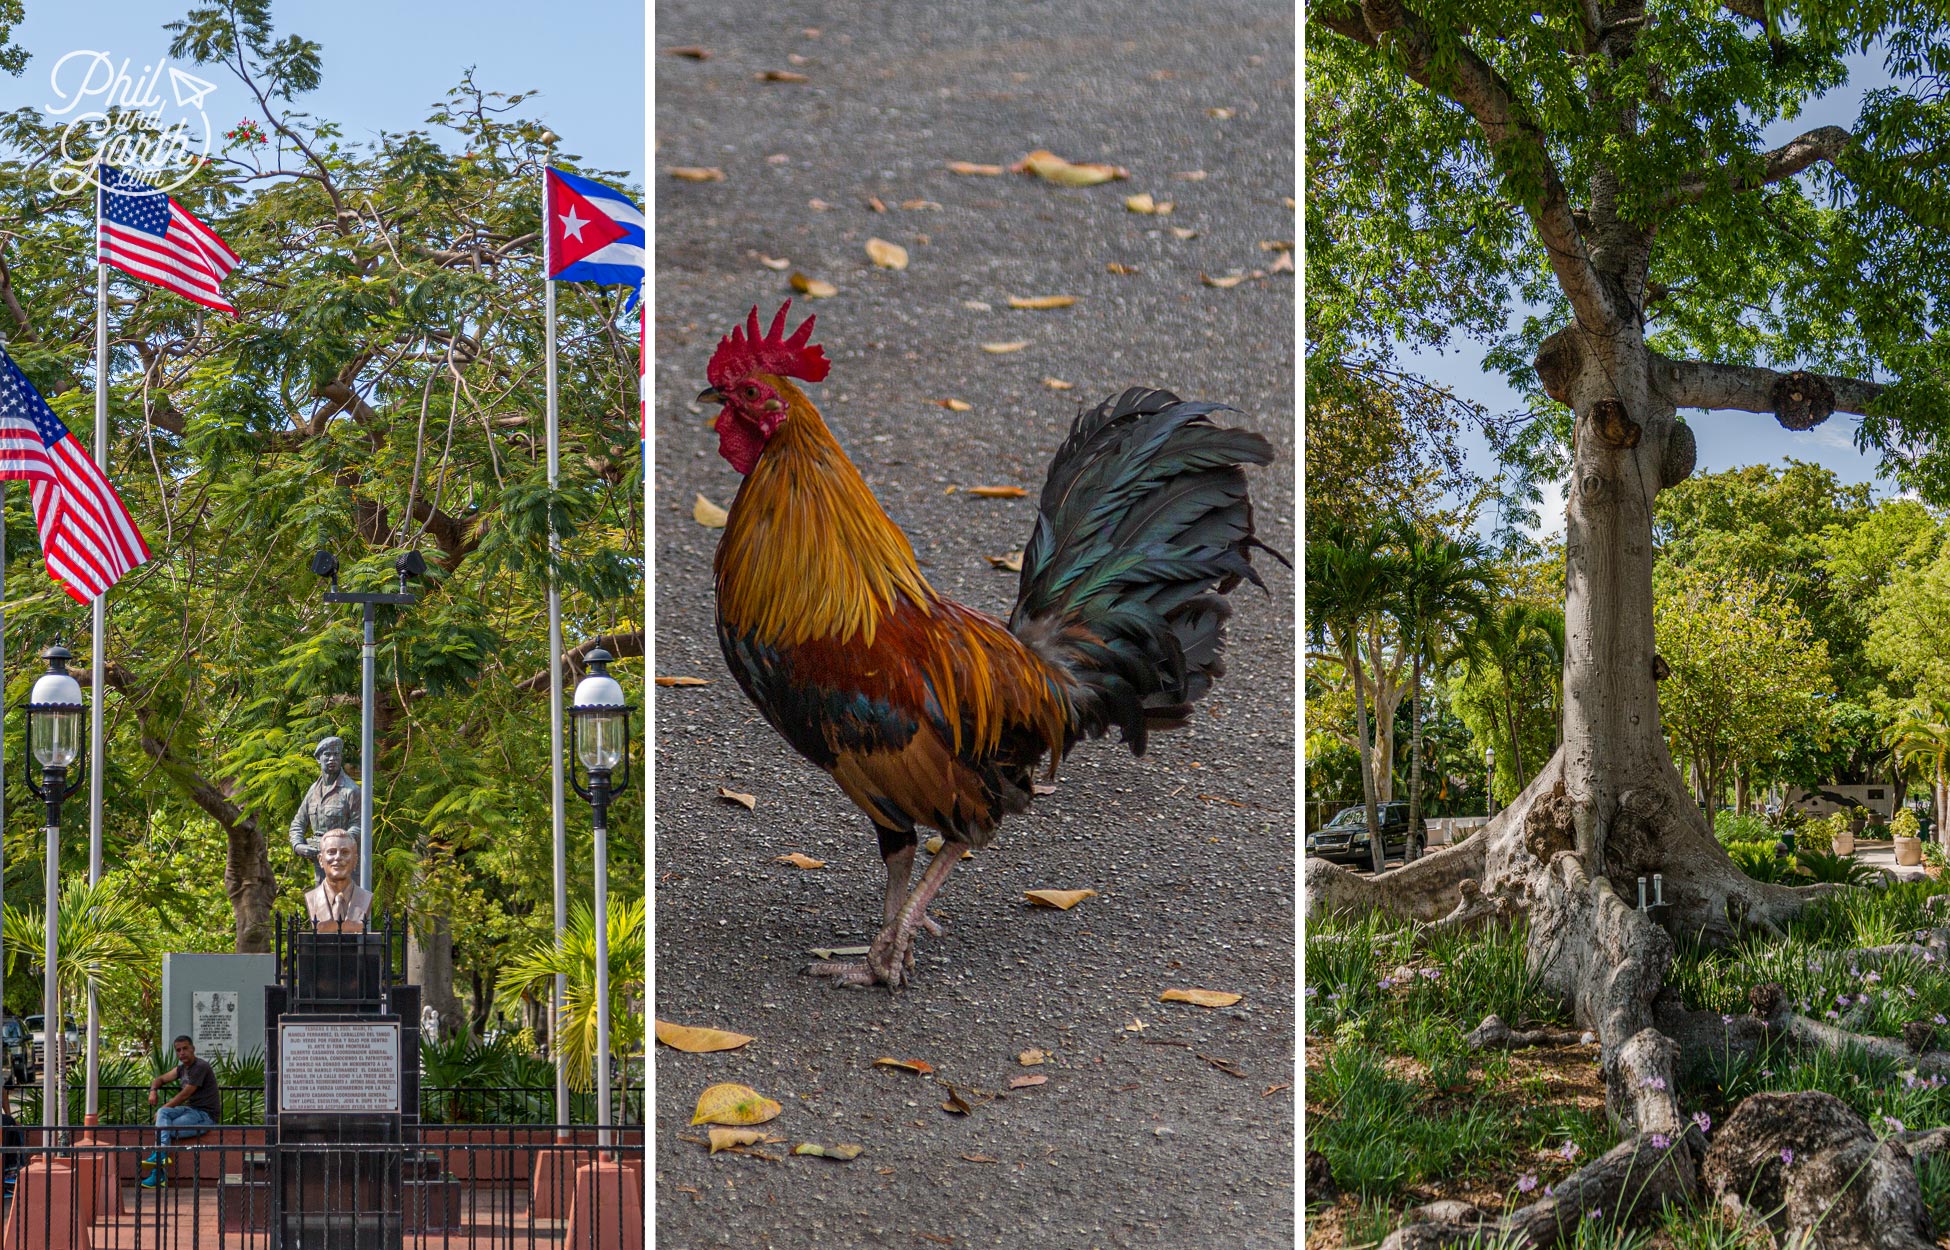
595,233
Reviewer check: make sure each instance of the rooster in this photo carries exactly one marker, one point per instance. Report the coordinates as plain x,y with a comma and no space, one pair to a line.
929,713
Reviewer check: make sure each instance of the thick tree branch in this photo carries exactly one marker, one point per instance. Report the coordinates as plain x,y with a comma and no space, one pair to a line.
1798,400
1826,144
622,646
1452,69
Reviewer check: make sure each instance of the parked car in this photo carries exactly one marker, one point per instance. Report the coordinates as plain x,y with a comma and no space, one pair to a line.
70,1041
1344,839
16,1051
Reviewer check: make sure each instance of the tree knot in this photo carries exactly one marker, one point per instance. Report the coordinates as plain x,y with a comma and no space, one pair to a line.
1765,999
1614,426
1549,826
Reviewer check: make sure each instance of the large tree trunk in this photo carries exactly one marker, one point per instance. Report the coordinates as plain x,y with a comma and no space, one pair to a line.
1375,849
1413,848
430,965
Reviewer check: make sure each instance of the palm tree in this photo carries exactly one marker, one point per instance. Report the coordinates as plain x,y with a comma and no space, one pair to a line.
574,955
1350,578
1507,637
1922,739
1439,582
105,941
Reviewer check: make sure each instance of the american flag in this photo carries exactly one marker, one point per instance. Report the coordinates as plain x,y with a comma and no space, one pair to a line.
87,536
146,234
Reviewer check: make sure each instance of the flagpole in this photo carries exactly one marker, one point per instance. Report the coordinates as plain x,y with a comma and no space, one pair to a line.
98,680
556,815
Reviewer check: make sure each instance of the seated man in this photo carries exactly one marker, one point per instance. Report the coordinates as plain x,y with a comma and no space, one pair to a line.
196,1103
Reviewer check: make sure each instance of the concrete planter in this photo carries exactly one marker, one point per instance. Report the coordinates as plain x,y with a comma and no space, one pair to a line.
1844,844
1909,852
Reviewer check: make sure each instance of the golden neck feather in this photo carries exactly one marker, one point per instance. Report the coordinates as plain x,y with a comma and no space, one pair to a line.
807,551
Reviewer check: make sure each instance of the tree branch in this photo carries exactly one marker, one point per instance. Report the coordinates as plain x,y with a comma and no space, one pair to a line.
1825,144
1453,70
621,646
1798,400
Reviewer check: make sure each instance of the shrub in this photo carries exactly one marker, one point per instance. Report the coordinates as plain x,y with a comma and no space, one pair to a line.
1905,825
1731,828
1836,869
1759,861
1934,855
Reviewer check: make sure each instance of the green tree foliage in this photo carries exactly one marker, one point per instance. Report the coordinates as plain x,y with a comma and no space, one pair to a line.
532,974
1510,687
1744,667
380,390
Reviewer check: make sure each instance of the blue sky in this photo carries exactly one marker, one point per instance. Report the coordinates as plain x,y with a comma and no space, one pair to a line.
1726,439
387,62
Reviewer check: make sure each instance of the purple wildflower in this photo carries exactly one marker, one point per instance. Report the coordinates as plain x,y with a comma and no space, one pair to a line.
1526,1182
1725,1018
1787,1156
1653,1082
1430,974
1569,1150
1703,1121
1660,1141
1873,978
1894,1124
1830,1013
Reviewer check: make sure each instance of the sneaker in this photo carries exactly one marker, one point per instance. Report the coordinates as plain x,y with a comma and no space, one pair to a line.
159,1160
157,1179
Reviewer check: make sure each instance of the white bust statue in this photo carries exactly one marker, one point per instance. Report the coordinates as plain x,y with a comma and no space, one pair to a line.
337,904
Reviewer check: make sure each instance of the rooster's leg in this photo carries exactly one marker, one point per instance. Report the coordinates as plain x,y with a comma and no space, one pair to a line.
897,849
889,956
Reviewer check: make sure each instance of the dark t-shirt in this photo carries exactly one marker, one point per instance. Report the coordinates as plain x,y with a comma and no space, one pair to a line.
197,1072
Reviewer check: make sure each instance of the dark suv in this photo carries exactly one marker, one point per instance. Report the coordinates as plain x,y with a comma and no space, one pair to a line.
1344,840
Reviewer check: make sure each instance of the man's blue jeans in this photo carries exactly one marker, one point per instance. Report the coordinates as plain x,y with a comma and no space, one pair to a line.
171,1119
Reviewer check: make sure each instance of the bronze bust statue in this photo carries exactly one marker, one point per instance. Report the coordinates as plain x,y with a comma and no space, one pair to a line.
331,803
337,904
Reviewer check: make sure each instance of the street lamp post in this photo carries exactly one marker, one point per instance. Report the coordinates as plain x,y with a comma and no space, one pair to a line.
1489,782
602,740
54,711
409,564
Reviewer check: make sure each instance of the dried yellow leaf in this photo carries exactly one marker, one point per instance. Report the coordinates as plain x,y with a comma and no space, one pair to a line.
708,514
1026,1080
1226,283
1283,263
683,681
955,405
1221,114
1040,303
1116,267
934,844
1058,384
1052,168
1183,232
997,492
692,51
886,255
1032,1058
843,1151
1012,561
873,202
779,263
697,1041
921,1066
1062,900
734,1104
745,801
782,75
1276,245
956,1103
916,205
1190,175
732,1138
1202,998
695,173
970,167
1141,203
1003,349
799,859
813,288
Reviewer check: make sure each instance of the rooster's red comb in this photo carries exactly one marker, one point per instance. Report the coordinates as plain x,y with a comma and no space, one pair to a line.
744,352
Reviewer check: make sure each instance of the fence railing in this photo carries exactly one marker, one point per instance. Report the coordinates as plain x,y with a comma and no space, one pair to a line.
447,1187
439,1104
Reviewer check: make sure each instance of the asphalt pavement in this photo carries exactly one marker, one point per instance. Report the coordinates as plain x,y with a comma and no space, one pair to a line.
1159,1123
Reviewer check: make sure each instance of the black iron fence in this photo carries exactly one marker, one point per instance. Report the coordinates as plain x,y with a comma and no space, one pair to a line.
439,1104
522,1187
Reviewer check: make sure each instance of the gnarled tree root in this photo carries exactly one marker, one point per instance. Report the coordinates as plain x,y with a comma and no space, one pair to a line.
1494,1034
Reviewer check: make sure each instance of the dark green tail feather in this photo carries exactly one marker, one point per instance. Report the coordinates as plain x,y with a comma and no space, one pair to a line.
1144,526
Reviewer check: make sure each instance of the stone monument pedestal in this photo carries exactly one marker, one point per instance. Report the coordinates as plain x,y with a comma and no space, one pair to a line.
47,1212
605,1209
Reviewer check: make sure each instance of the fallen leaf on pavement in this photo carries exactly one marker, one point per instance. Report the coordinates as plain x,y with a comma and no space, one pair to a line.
1038,787
1226,1066
997,492
1031,1058
834,952
1220,798
1136,1026
955,405
1027,1080
782,75
1182,232
970,167
917,205
735,1104
1058,384
813,288
779,263
978,1159
1012,561
1052,168
696,1041
1003,349
731,1138
799,859
874,202
935,843
1143,202
1270,1090
1283,263
1190,175
819,206
695,173
955,1104
708,514
1221,114
843,1151
745,801
1202,998
1225,283
1039,303
1062,900
683,681
1276,245
1115,267
886,255
908,1065
693,52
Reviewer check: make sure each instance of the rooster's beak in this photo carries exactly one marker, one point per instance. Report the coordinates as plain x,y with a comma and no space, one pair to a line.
711,395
